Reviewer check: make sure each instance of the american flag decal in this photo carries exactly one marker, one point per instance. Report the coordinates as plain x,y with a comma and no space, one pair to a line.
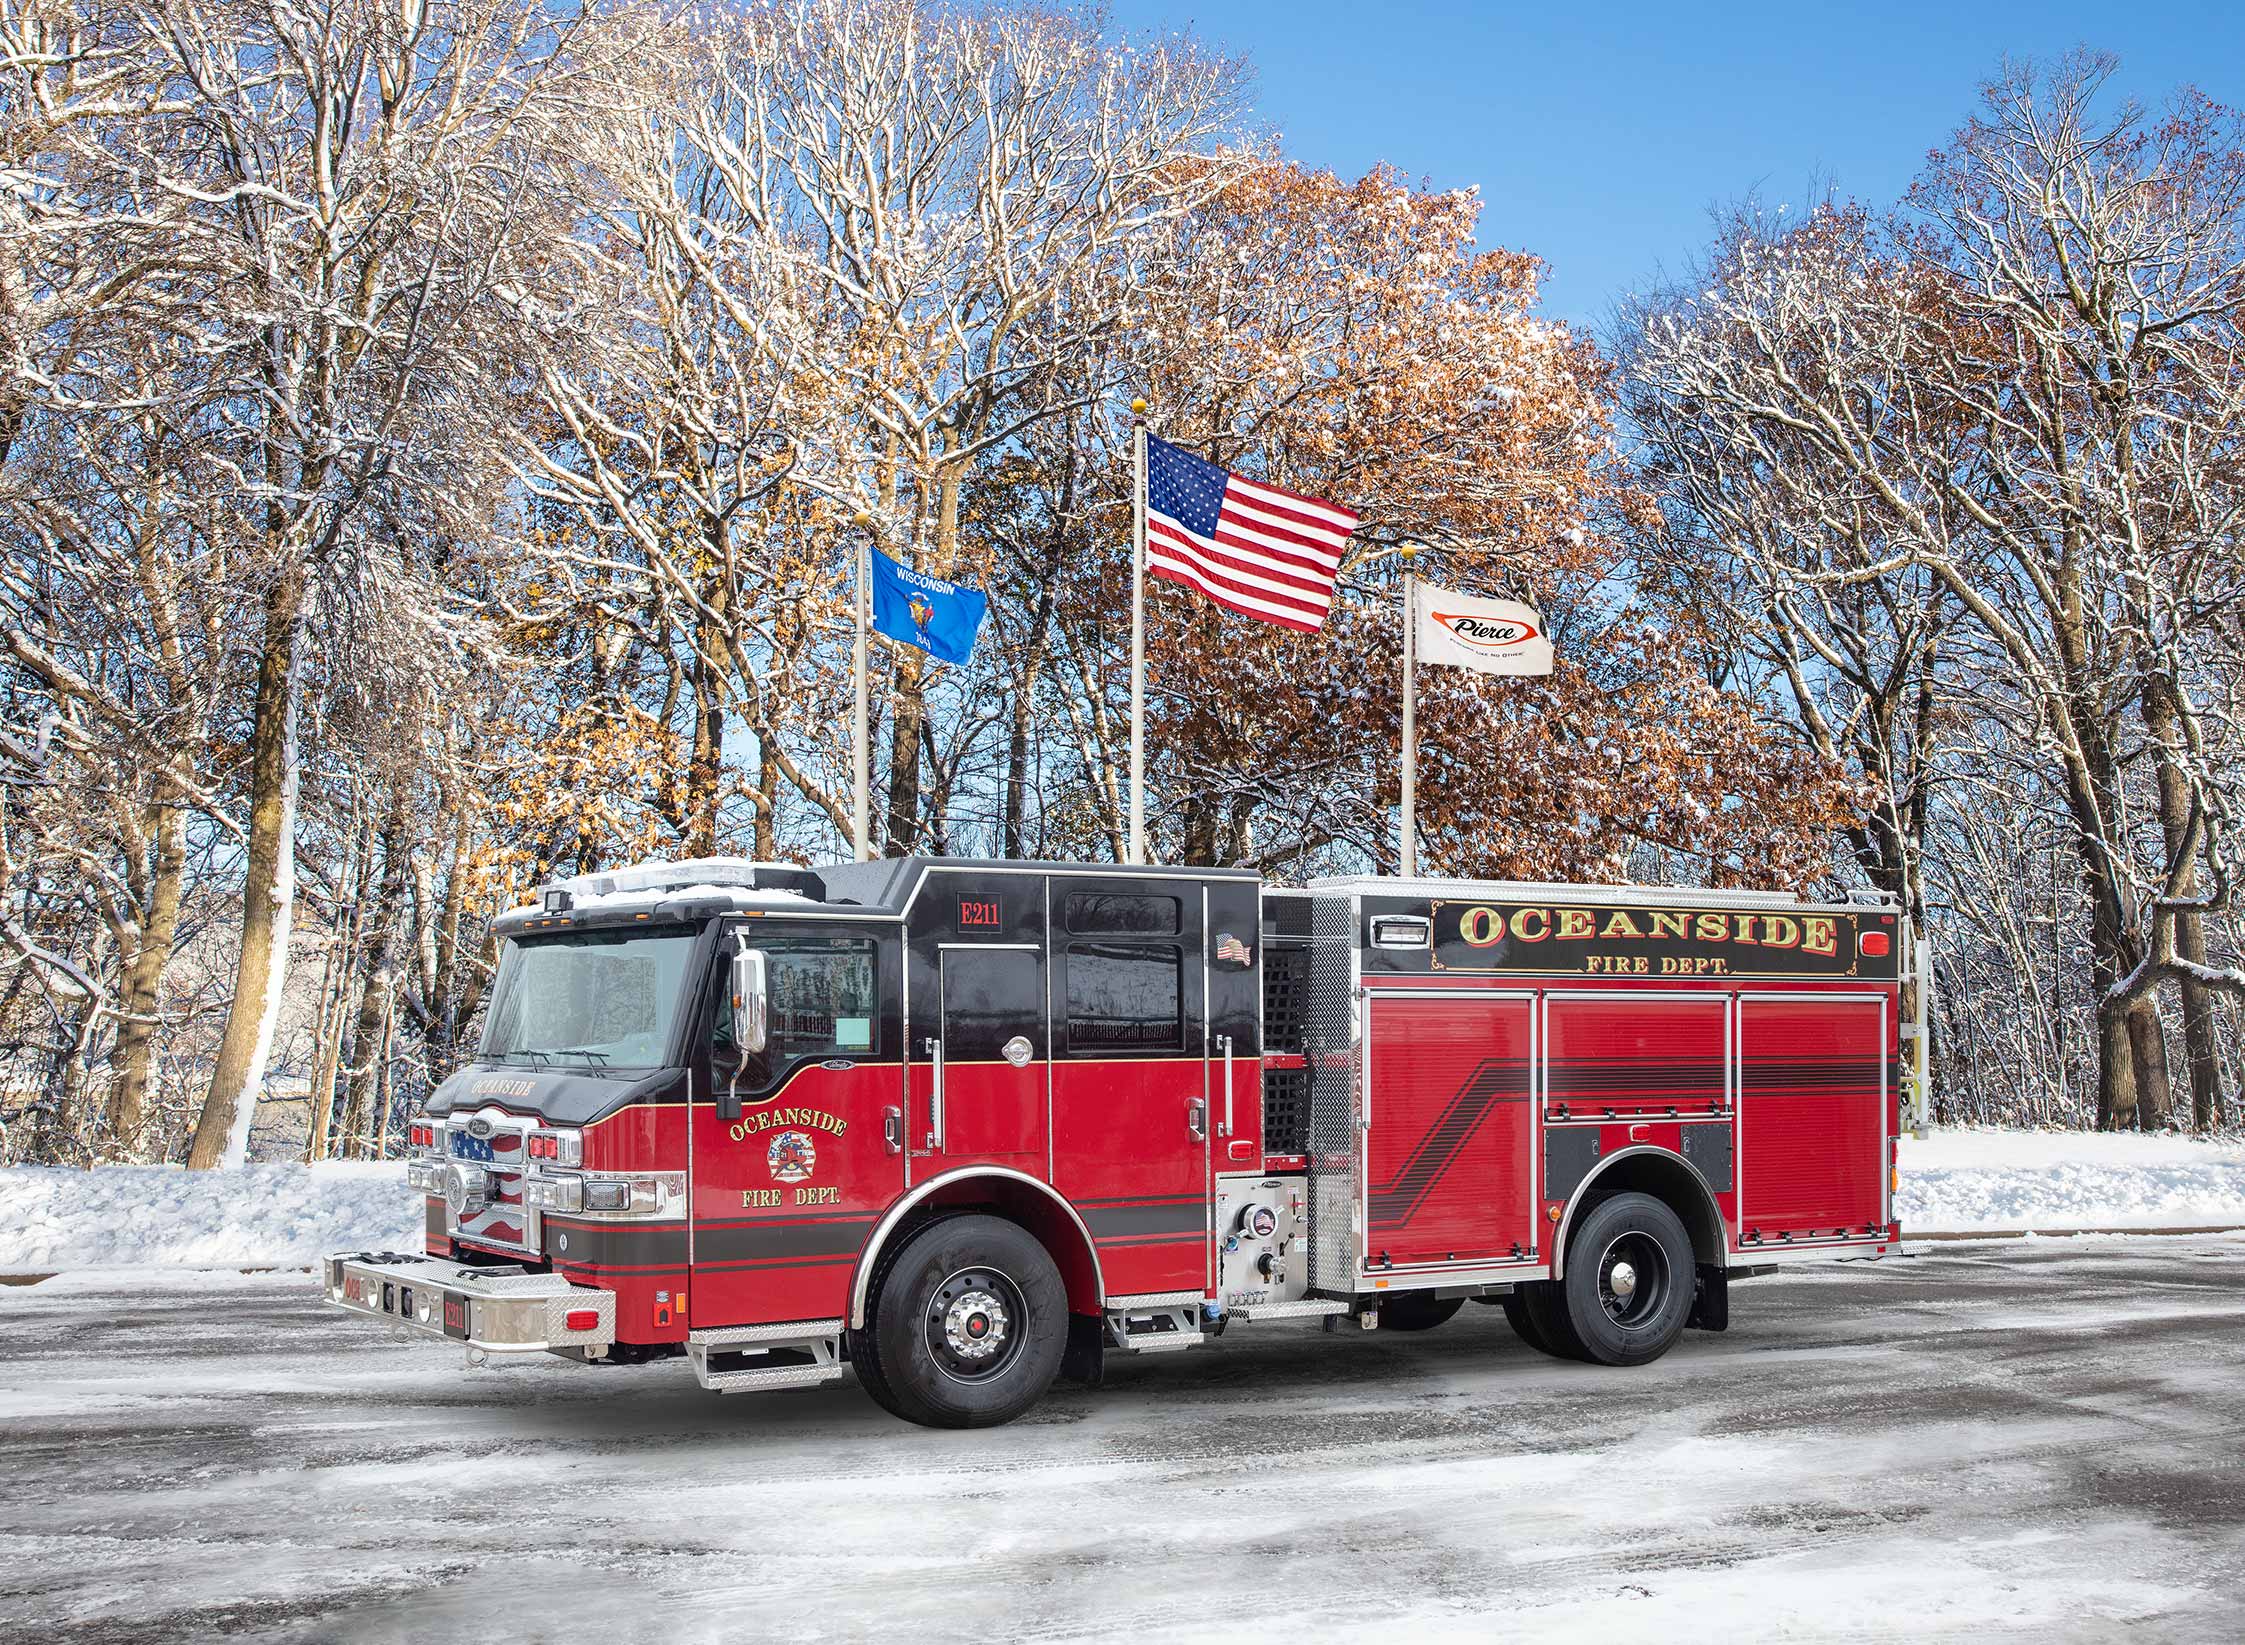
1231,951
1250,547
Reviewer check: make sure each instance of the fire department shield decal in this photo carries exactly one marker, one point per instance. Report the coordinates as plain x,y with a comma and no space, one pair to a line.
792,1156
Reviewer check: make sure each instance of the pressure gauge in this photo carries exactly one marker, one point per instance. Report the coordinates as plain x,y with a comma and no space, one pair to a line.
1258,1221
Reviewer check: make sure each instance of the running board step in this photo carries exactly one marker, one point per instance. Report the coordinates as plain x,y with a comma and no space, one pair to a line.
1309,1308
766,1377
798,1354
1156,1330
736,1336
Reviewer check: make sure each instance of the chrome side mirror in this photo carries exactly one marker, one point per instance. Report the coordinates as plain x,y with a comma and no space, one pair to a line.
751,1020
751,1008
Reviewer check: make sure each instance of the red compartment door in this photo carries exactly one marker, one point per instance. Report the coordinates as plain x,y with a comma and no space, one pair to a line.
1634,1054
1812,1115
1450,1150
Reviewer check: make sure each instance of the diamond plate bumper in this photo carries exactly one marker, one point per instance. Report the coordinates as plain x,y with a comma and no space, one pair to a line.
494,1310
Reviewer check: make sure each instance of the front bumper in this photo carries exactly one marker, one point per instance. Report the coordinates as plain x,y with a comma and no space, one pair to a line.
486,1310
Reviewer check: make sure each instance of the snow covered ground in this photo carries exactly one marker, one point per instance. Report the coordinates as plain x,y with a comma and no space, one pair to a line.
2028,1441
1955,1181
261,1216
272,1216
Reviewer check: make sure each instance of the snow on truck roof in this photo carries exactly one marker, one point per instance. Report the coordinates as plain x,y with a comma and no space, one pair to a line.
743,884
736,881
1378,885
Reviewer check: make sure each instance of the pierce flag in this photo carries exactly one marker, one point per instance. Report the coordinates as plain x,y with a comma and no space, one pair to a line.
1494,636
939,617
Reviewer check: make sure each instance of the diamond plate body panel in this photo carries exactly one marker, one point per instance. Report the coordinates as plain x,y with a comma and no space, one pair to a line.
1332,1043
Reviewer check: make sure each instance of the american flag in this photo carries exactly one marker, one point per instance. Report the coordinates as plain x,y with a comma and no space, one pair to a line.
1250,547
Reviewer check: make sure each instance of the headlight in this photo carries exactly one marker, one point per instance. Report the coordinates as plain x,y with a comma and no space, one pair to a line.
425,1176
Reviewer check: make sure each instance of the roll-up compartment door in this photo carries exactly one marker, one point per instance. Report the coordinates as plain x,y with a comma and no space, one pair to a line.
1634,1054
1811,1115
1449,1150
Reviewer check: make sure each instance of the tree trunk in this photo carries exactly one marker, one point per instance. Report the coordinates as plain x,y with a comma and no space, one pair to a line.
327,1054
902,825
135,1054
705,768
369,1049
765,847
2201,1044
2147,1047
2116,1079
268,887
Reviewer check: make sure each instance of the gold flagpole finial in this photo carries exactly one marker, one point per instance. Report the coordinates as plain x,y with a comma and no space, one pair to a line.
1138,408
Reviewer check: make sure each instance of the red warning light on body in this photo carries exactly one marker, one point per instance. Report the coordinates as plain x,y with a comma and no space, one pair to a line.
1874,944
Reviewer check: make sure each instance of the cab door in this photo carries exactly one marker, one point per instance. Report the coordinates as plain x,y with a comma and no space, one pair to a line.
796,1149
1131,1092
978,1038
981,1067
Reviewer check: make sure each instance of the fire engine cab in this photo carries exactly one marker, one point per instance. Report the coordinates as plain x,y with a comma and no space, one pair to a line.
959,1127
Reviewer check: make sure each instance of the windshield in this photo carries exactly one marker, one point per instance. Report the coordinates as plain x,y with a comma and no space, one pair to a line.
598,999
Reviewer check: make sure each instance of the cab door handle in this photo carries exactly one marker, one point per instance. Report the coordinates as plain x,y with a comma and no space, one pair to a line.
935,1093
1225,1129
1196,1119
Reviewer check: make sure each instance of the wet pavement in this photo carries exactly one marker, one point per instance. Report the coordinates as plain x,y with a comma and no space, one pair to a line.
2034,1440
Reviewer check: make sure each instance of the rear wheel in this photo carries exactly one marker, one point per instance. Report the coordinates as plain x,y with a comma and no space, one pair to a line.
1417,1311
968,1325
1629,1282
1524,1320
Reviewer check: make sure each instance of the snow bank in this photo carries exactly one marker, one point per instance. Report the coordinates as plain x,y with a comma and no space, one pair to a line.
286,1216
1964,1181
259,1216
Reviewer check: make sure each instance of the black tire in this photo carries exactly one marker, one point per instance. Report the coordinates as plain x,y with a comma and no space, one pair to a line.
1417,1311
1523,1320
1629,1284
1547,1311
966,1325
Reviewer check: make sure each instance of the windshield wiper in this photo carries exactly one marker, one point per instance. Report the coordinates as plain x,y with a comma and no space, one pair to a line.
585,1051
509,1056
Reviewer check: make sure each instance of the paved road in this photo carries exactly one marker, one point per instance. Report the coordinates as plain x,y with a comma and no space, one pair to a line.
2041,1441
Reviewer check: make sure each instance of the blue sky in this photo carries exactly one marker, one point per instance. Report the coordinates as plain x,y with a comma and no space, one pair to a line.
1599,136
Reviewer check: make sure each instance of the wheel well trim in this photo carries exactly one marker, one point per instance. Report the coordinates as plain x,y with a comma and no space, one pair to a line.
1574,1203
862,1280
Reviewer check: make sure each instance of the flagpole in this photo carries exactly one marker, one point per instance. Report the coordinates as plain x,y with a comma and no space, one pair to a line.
1138,631
861,802
1410,852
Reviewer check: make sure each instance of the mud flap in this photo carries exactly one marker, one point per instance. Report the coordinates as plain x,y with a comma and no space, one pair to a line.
1084,1360
1711,1303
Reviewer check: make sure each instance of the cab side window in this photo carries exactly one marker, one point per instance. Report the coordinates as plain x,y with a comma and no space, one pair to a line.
824,1002
1127,993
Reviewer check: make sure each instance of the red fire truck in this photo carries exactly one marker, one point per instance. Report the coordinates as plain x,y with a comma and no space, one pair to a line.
959,1127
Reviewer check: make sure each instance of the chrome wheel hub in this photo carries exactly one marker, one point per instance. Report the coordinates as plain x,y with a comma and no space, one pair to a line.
975,1325
1633,1280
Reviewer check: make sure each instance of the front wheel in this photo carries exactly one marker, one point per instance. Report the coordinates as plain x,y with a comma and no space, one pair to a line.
969,1322
1629,1282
